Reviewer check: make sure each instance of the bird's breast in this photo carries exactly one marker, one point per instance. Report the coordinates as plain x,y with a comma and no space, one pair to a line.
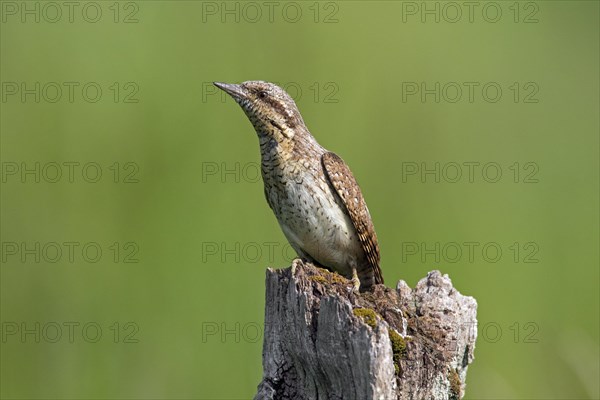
310,215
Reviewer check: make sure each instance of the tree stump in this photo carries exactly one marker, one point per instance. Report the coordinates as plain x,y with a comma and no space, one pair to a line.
324,341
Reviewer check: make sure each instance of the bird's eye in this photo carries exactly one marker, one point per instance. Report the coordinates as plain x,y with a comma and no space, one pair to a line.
262,94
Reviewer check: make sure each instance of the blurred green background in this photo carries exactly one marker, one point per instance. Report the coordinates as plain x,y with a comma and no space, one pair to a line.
173,306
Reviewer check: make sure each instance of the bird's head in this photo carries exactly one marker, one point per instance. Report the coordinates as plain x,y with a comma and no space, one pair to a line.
271,110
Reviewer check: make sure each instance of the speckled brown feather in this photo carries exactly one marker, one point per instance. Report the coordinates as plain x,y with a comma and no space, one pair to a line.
313,194
345,185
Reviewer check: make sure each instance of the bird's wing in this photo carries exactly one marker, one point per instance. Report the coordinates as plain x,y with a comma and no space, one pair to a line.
345,185
267,197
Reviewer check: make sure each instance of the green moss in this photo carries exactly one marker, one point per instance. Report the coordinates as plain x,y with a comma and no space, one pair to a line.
398,348
318,278
455,385
368,315
337,278
328,277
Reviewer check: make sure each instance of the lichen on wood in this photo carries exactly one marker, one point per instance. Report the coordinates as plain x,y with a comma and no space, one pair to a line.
325,341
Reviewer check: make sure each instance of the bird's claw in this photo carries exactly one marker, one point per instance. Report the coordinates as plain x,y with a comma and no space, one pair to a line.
355,281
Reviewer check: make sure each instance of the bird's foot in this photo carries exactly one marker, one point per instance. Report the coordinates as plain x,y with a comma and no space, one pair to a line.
355,281
295,262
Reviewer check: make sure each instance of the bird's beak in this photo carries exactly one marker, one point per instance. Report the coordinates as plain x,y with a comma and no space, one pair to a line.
231,89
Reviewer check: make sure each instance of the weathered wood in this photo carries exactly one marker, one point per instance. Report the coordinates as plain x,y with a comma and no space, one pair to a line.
323,341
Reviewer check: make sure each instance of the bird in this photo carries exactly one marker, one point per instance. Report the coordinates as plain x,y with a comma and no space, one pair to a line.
312,192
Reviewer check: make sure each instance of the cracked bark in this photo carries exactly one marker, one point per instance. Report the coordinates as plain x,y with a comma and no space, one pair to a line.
323,341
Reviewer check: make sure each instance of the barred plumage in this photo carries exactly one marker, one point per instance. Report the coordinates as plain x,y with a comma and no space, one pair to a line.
312,192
